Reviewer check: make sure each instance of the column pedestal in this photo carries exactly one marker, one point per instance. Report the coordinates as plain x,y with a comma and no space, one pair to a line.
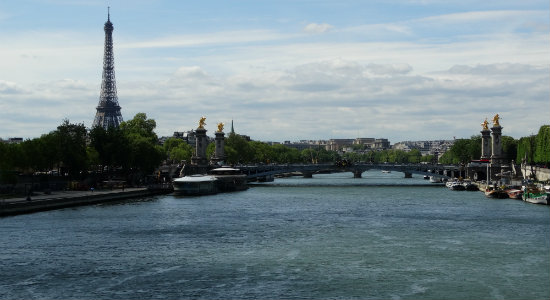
496,145
219,153
485,144
199,159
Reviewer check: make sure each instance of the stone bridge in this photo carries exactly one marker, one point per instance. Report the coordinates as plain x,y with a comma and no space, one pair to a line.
267,172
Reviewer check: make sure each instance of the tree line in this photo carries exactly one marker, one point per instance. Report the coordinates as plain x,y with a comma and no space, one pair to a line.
240,151
534,149
71,151
133,149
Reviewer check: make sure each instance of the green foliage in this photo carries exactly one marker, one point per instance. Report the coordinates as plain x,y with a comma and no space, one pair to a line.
535,148
448,158
526,149
141,127
263,153
414,156
144,152
111,145
144,155
474,148
178,150
428,159
285,155
210,149
71,143
542,150
239,151
134,147
464,150
509,147
461,151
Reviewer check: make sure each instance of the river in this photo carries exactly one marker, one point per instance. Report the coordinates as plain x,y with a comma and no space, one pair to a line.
331,237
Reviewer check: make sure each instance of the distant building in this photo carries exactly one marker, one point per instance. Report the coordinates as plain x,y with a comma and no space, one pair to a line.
372,143
425,147
186,136
306,144
14,140
338,144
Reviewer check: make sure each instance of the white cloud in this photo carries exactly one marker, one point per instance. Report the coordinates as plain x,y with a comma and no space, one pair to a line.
8,87
208,39
477,16
317,28
424,78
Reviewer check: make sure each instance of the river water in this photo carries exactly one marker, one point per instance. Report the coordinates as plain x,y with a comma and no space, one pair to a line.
331,236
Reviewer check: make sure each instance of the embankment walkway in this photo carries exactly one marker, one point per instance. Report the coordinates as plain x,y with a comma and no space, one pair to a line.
62,199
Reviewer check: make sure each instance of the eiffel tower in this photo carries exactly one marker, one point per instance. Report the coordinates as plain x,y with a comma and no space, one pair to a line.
108,110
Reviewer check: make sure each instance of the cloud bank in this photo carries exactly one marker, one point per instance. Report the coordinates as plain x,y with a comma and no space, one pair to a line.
424,77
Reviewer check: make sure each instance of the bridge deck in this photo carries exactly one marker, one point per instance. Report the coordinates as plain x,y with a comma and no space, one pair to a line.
259,171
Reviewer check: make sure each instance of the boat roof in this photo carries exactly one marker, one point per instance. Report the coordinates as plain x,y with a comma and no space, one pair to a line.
195,178
225,169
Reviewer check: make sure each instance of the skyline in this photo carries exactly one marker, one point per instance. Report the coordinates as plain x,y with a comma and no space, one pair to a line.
289,70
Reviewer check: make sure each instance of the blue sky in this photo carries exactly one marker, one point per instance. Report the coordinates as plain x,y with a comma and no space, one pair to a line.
282,70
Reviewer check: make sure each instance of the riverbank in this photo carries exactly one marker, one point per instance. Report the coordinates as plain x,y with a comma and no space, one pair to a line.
63,199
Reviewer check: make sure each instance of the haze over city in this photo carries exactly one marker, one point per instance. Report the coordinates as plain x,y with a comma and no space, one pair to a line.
282,70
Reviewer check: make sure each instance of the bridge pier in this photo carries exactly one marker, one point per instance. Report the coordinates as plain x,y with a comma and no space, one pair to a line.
408,175
357,173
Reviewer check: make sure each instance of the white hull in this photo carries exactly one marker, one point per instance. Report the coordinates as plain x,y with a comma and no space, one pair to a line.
543,199
434,179
195,185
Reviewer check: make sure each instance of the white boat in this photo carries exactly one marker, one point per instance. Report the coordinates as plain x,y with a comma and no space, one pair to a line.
457,186
534,194
229,179
434,179
195,185
386,171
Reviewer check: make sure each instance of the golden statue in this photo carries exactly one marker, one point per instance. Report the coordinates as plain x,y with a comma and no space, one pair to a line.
484,125
220,127
495,120
202,122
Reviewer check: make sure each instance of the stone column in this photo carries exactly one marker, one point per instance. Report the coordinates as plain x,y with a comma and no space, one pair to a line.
200,147
496,154
219,154
485,144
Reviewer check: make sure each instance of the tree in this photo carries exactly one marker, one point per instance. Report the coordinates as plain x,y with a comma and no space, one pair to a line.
462,151
112,146
71,139
178,150
140,126
509,147
263,153
144,155
526,149
448,158
542,151
240,151
414,156
475,147
285,155
144,152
